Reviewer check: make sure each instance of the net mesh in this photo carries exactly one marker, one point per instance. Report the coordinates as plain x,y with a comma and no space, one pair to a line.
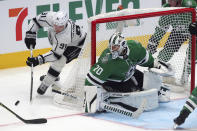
165,35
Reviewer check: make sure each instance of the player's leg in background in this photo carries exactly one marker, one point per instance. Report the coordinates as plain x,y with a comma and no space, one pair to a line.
56,67
172,45
154,40
187,66
53,73
188,108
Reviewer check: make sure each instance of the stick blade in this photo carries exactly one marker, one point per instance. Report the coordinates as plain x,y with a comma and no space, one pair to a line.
36,121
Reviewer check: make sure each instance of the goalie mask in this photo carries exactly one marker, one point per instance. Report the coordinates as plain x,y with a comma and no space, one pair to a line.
118,46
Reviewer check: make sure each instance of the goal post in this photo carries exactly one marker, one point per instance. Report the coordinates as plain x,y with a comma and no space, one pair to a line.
153,13
140,25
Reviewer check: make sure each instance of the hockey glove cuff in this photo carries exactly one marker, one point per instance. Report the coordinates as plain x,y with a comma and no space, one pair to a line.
35,61
30,39
162,68
157,64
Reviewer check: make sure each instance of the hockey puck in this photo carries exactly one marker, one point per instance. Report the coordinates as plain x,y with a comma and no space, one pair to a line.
17,102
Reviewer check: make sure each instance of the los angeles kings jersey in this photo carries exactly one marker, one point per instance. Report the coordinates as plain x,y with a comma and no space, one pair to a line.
108,69
72,35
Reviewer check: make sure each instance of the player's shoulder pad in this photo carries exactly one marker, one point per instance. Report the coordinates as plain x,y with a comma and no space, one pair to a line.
133,43
105,57
46,16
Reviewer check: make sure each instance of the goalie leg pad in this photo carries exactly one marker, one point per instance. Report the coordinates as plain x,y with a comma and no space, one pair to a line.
134,99
90,98
164,94
152,80
93,97
114,108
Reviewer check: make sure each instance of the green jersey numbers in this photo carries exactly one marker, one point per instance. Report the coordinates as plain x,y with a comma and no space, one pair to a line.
108,69
98,70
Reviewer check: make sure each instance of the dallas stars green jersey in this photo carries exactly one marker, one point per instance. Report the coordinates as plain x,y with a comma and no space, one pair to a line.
178,22
119,69
190,104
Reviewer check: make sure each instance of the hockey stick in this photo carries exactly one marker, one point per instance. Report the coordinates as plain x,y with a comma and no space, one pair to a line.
31,90
64,93
31,121
124,111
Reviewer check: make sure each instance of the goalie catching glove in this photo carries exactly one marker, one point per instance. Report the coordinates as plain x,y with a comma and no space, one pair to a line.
30,39
35,61
162,68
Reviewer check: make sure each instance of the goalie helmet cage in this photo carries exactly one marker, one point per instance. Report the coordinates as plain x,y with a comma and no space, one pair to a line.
140,25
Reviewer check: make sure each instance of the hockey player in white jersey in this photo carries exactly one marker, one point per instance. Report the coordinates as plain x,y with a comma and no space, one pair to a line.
66,39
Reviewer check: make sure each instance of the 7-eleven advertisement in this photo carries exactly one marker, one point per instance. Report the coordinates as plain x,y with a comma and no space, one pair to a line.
15,17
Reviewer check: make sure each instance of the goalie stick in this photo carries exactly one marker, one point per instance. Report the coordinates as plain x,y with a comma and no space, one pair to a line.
30,121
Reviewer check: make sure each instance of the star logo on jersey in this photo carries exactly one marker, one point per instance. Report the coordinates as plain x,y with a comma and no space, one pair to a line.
105,59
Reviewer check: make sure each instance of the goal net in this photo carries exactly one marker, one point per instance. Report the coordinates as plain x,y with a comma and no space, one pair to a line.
162,31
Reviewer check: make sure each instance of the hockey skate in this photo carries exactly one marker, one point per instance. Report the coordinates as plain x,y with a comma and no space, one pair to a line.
164,94
43,76
42,89
181,118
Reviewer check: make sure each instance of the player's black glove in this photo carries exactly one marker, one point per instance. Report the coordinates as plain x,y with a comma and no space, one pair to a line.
30,39
193,28
35,61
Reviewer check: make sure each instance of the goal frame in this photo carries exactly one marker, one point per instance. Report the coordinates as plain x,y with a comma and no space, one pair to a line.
146,15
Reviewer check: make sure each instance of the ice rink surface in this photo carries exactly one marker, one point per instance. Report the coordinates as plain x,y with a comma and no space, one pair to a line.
15,85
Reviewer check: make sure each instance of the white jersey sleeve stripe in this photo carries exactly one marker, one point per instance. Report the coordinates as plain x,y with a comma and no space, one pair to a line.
145,59
191,102
189,108
93,83
95,78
